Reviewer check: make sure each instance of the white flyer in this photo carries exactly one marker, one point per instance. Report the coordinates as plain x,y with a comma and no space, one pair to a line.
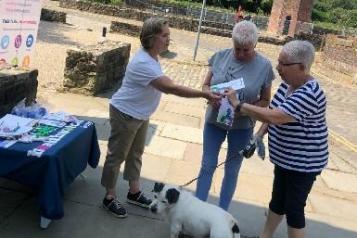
234,84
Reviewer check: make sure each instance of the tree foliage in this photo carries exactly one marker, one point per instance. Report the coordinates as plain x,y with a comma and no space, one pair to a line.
340,12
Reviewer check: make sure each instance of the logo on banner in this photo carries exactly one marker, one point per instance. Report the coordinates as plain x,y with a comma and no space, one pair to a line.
29,40
5,40
18,41
26,61
15,62
19,21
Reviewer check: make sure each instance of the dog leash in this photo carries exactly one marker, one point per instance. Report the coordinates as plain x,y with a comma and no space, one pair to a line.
246,152
224,162
193,180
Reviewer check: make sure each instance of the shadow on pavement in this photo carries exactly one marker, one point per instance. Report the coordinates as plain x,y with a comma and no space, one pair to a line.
52,33
102,126
84,216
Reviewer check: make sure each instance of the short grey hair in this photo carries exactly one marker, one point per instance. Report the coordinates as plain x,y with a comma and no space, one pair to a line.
151,27
299,51
245,33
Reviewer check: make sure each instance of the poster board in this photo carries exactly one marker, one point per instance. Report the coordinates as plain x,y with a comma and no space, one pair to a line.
19,21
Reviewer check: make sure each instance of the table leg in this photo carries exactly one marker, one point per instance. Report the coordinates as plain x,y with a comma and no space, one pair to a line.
45,222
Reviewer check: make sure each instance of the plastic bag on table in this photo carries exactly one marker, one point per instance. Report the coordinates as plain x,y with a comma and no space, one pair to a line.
34,110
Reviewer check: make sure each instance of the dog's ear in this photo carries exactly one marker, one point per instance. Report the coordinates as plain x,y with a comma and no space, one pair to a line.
172,195
158,187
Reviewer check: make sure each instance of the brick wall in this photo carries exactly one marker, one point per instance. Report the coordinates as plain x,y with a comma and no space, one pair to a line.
275,20
299,11
341,54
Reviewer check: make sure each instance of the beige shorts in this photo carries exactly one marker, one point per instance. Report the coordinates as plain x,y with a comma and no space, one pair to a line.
126,143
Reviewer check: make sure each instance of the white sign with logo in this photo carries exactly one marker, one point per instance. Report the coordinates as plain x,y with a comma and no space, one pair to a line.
19,21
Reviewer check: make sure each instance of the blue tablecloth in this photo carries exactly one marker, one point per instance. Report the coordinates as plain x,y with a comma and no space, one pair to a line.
55,169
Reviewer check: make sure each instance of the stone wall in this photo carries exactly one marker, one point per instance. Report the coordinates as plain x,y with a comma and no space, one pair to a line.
340,53
176,21
125,28
211,18
15,85
134,30
316,40
94,69
52,15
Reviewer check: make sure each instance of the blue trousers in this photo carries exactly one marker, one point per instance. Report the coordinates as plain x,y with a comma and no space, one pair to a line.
213,137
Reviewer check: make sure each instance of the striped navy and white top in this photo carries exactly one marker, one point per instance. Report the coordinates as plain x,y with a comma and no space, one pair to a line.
302,145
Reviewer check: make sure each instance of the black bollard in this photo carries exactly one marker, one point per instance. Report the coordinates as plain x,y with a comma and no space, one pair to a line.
104,32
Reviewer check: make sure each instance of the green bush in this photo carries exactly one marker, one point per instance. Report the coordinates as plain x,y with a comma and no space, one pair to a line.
344,17
340,12
114,2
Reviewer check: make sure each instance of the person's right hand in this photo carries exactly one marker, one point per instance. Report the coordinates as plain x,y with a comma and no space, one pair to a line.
232,96
213,98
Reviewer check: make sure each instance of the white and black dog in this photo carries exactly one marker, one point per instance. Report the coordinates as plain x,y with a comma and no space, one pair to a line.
190,216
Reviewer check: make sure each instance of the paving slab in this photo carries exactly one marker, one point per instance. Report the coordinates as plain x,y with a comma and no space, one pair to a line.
181,172
183,109
178,119
155,168
334,207
166,147
340,181
182,133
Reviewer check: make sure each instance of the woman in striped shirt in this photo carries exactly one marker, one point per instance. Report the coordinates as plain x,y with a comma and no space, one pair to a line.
296,125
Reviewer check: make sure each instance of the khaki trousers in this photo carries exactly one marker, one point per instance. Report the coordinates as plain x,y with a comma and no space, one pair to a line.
126,143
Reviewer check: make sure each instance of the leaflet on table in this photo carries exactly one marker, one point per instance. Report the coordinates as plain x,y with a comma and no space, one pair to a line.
61,116
234,84
12,126
50,141
54,123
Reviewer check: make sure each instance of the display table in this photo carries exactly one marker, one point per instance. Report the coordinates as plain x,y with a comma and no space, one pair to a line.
55,169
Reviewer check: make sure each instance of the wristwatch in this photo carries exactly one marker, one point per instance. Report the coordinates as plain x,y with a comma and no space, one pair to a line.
239,106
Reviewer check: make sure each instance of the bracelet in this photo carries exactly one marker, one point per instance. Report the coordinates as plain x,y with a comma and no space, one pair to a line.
239,106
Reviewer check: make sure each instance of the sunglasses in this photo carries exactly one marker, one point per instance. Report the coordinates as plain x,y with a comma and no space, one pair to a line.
287,64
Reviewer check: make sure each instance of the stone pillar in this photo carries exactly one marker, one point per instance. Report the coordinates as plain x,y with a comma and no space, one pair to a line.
93,69
15,85
290,16
276,15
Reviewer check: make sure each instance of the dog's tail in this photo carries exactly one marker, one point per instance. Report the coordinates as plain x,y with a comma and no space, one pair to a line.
235,231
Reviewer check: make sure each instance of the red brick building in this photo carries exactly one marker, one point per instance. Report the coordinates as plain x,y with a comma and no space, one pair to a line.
290,17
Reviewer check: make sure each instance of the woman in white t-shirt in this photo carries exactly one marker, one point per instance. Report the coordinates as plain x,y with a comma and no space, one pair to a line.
130,109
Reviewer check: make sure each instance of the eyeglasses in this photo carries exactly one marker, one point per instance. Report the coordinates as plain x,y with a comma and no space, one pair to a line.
287,64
